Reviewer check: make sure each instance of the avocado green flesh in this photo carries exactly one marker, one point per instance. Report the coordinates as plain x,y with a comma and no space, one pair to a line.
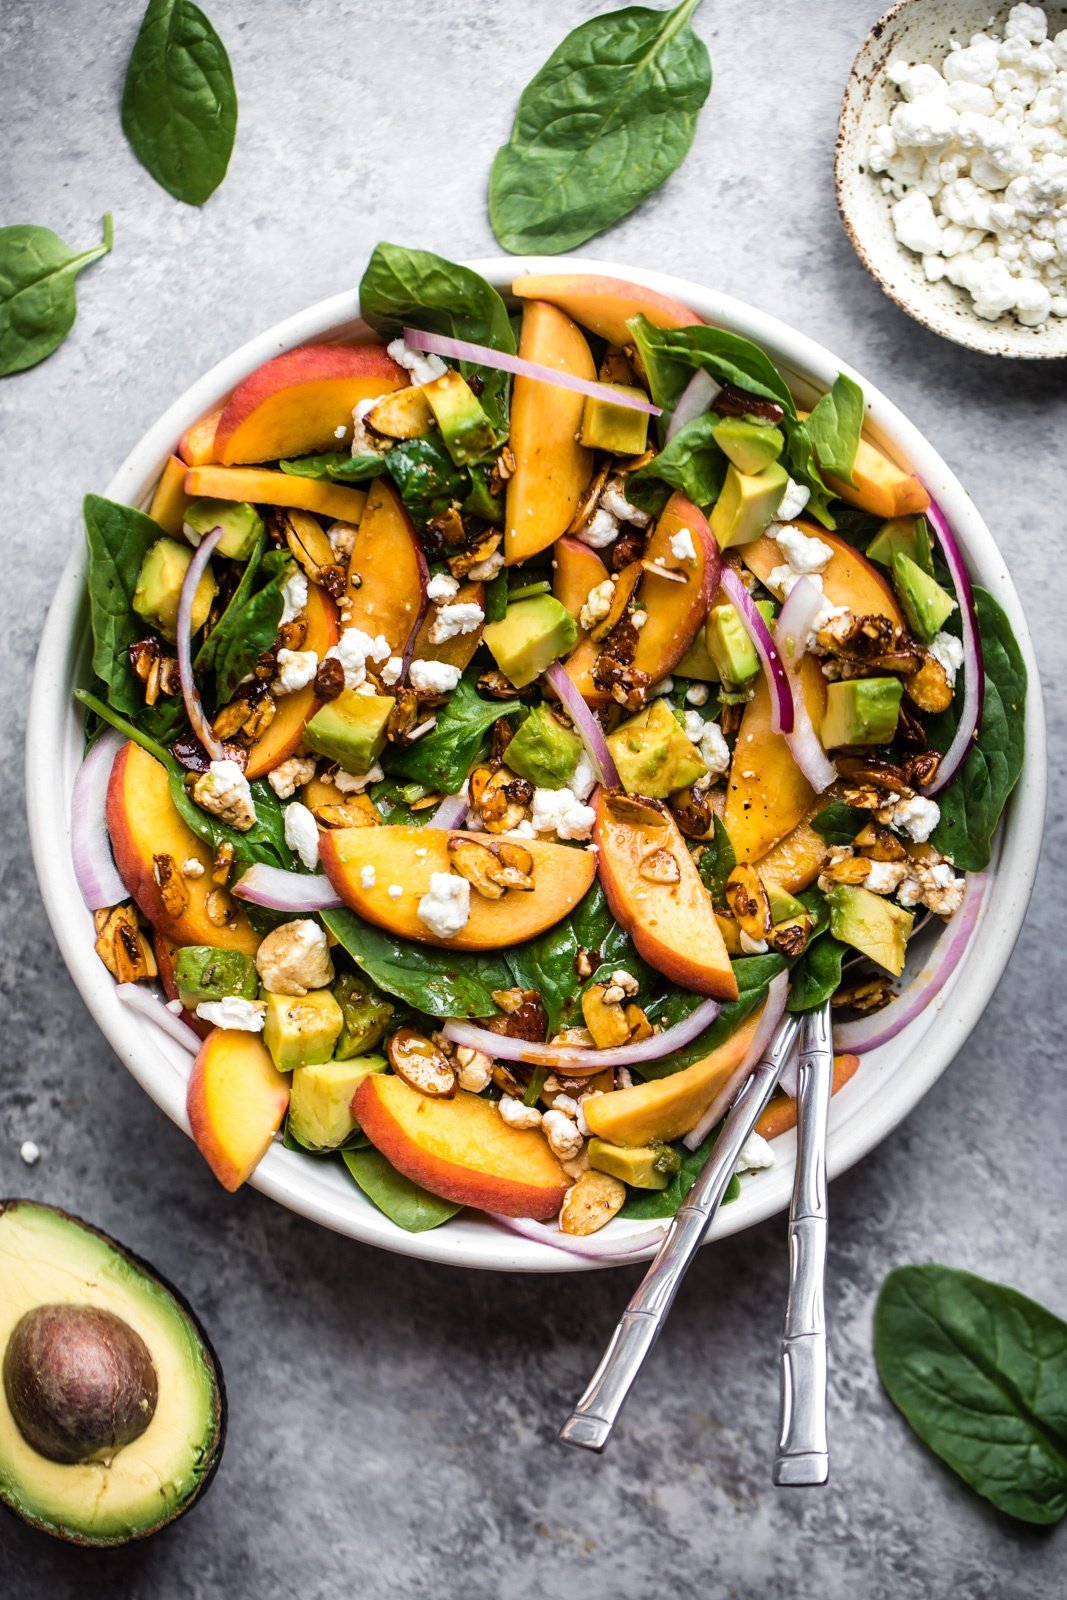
351,730
750,446
47,1257
320,1102
653,753
544,751
240,522
159,587
926,605
618,428
861,711
529,637
465,427
871,924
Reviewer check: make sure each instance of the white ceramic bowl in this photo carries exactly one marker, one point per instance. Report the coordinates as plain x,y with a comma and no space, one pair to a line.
920,30
890,1081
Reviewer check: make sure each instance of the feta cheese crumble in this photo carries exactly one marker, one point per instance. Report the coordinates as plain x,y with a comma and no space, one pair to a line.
224,791
446,906
442,586
367,876
559,811
803,553
422,368
794,498
463,617
756,1154
597,604
433,677
354,649
232,1011
289,776
682,546
948,650
294,596
295,958
295,670
915,816
302,834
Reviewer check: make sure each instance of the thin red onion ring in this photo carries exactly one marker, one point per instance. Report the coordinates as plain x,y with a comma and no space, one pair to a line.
773,1010
766,649
594,1247
576,1061
867,1033
586,725
439,344
795,622
693,401
194,710
279,890
450,813
973,665
90,846
147,1005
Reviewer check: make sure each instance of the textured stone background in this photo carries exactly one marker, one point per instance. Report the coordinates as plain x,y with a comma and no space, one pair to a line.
393,1424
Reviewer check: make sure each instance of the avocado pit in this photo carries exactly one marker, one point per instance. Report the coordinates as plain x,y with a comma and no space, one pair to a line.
79,1381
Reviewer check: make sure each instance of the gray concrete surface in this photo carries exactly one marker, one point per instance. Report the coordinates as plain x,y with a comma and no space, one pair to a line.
392,1425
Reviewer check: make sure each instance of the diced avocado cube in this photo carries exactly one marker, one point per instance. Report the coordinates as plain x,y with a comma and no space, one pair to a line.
654,754
926,605
648,1166
240,522
697,663
751,446
748,502
861,711
301,1030
530,636
908,536
870,923
620,429
785,907
159,588
729,644
351,729
366,1017
465,428
544,751
201,972
320,1100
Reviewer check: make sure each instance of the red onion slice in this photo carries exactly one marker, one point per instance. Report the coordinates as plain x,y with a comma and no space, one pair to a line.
973,665
94,866
190,693
773,1010
450,813
575,1061
795,622
439,344
766,649
279,890
693,401
147,1005
586,725
867,1033
594,1247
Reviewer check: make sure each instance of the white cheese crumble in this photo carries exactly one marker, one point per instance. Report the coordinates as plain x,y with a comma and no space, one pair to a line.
600,531
915,816
294,596
356,782
295,670
295,958
614,501
302,834
485,571
710,741
756,1154
682,546
342,537
463,617
286,778
364,442
392,670
395,890
803,553
446,906
193,868
583,779
224,791
442,586
948,650
516,1115
794,498
433,677
367,876
663,687
750,946
597,604
354,649
696,694
559,811
246,1016
563,1134
423,368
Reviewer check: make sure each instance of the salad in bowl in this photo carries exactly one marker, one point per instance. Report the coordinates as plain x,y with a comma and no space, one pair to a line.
499,722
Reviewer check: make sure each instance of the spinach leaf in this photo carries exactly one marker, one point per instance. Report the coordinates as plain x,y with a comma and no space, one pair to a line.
439,983
246,630
496,597
980,1373
800,458
717,861
119,538
226,631
834,427
37,299
404,288
817,974
838,823
179,105
547,963
403,1202
480,500
753,974
671,355
427,479
605,121
972,804
692,462
443,757
264,841
115,719
336,465
644,1204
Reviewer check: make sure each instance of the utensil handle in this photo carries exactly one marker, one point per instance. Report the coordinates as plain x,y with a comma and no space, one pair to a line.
802,1455
593,1418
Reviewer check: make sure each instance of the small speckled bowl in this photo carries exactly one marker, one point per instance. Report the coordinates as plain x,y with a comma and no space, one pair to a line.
920,30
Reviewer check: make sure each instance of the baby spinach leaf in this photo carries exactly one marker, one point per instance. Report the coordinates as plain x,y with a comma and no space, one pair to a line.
644,1204
439,983
717,861
443,757
606,120
246,631
336,465
838,823
671,355
228,626
548,963
800,458
118,538
496,597
753,974
972,804
403,1202
692,462
37,299
817,974
179,105
834,427
980,1373
427,479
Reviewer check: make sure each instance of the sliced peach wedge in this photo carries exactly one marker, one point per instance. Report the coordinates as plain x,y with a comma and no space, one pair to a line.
295,403
767,795
405,858
654,891
878,484
604,305
283,735
236,1099
459,650
675,611
576,568
551,468
169,499
461,1149
848,579
387,572
197,444
261,486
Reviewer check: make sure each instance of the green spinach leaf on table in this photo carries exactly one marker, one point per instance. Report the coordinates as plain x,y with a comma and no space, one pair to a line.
438,983
980,1373
38,303
403,1202
442,758
118,538
179,104
645,1204
606,120
691,462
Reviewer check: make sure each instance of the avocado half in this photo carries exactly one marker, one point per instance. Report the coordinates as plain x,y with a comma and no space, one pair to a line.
109,1374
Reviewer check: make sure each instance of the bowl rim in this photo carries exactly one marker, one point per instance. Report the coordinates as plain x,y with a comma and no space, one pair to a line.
892,1079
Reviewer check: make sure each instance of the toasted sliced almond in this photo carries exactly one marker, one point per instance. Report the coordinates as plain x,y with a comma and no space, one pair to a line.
747,898
404,414
660,866
421,1064
121,945
172,889
591,1203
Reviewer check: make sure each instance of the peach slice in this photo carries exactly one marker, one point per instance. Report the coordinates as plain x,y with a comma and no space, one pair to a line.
459,650
848,579
407,857
576,568
579,668
144,827
654,891
781,1113
170,499
197,444
235,1100
266,488
879,486
675,611
796,861
605,304
667,1108
461,1149
766,792
282,737
391,570
551,468
295,404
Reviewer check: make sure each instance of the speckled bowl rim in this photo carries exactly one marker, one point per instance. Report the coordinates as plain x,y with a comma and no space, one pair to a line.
890,1081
